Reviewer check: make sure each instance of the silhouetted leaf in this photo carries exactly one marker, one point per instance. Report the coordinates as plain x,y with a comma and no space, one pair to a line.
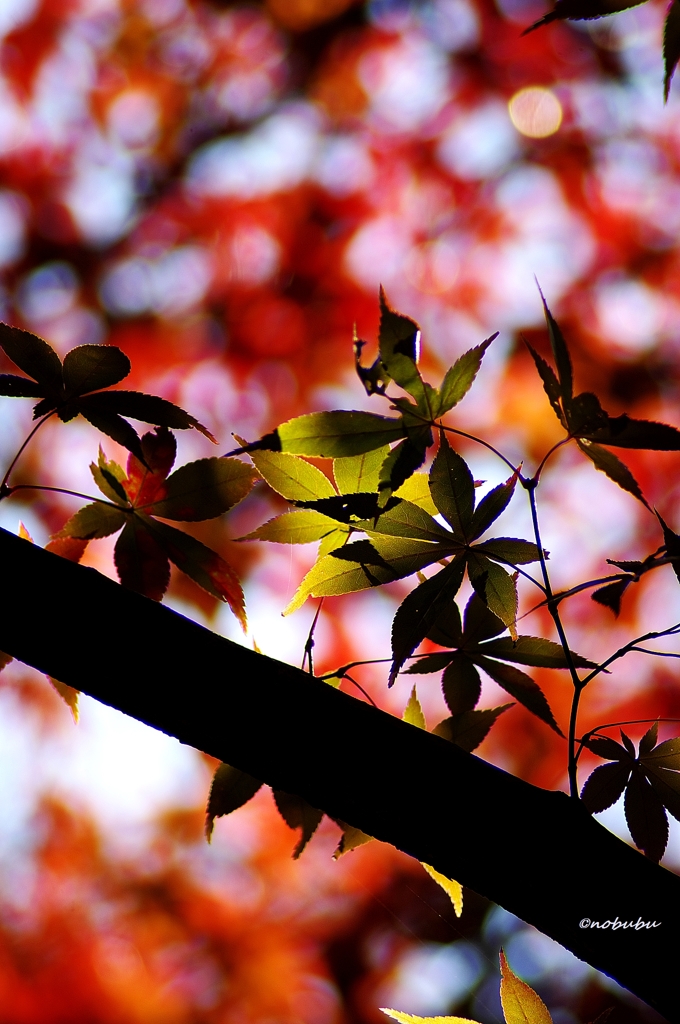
603,746
605,785
532,650
551,385
671,45
559,347
672,542
628,743
521,1005
204,566
430,663
299,527
646,817
413,713
624,432
461,685
229,790
292,477
141,562
346,508
19,387
610,596
648,741
583,10
666,785
479,622
612,466
34,356
509,550
297,813
116,428
447,630
522,687
399,344
420,610
666,755
459,378
452,488
92,367
359,473
491,506
584,414
454,890
404,459
468,729
94,520
138,406
333,435
204,489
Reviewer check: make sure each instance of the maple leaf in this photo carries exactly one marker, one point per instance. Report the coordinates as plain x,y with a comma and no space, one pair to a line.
77,388
138,498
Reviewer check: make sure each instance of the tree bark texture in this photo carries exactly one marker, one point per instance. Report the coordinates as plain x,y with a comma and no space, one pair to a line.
539,854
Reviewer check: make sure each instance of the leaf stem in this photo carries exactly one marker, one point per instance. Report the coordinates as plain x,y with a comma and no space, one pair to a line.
551,451
530,486
64,490
613,725
307,655
5,491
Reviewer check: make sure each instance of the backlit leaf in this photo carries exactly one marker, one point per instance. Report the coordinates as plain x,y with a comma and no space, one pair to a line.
671,45
109,478
459,378
68,695
333,435
297,813
67,547
417,490
399,345
204,566
141,562
413,713
350,839
491,506
468,729
452,488
292,477
299,527
412,1018
532,650
333,540
605,785
94,520
92,367
454,890
420,610
522,687
32,355
461,685
404,459
646,817
496,586
405,519
229,790
521,1005
358,473
204,489
406,556
360,568
612,466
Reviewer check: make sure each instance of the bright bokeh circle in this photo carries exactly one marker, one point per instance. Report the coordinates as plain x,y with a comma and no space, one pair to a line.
535,112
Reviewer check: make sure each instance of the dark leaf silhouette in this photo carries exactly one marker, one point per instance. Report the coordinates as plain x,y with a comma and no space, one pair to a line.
671,45
229,790
583,10
611,595
297,813
468,729
605,785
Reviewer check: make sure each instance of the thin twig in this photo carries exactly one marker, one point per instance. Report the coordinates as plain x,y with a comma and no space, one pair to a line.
309,643
4,490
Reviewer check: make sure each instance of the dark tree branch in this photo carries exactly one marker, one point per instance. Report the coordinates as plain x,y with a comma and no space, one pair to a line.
536,853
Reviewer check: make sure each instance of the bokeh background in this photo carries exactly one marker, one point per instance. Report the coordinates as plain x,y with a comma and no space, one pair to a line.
219,188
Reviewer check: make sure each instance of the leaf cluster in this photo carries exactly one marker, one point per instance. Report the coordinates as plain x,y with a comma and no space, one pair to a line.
137,501
77,387
650,780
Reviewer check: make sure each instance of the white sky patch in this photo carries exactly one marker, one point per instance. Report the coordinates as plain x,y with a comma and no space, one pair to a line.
430,977
101,195
480,142
174,283
275,156
630,315
376,254
48,291
452,25
408,83
344,165
254,255
14,127
133,118
14,13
